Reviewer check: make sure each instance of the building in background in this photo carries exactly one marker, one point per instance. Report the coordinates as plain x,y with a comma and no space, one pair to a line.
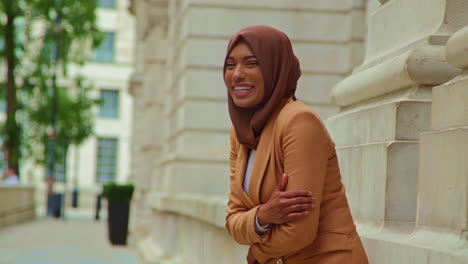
104,156
398,117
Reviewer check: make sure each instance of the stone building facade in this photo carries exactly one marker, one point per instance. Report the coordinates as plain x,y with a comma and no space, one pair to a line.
386,75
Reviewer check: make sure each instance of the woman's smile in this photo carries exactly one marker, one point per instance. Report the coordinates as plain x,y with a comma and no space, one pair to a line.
242,89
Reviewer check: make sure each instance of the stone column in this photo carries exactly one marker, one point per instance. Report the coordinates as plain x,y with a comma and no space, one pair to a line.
442,215
384,107
146,86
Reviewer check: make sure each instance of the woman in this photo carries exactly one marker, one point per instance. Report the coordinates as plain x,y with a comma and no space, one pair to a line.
281,154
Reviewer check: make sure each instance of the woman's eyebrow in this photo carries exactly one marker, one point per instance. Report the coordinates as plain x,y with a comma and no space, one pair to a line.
245,58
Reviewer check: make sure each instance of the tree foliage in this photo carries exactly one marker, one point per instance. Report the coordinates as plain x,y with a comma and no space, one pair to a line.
53,37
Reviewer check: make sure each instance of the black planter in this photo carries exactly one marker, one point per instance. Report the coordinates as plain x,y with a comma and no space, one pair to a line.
117,222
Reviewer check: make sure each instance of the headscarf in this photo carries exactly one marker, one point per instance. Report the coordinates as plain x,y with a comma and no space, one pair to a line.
281,71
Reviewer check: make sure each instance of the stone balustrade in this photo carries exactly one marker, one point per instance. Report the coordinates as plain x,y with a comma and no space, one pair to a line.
16,204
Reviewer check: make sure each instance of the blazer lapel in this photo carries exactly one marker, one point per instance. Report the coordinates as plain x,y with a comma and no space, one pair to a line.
241,166
261,161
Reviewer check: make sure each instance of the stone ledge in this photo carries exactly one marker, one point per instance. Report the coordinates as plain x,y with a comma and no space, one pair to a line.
422,66
210,209
420,247
394,120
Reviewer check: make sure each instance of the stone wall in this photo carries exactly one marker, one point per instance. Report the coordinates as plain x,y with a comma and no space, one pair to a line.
400,136
16,204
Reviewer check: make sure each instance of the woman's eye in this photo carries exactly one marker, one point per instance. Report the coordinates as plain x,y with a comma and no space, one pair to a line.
229,64
252,63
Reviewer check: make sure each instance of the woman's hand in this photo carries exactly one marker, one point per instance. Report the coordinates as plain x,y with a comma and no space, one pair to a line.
285,206
250,257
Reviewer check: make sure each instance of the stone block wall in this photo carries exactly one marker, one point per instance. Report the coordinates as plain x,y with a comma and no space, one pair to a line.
400,133
16,205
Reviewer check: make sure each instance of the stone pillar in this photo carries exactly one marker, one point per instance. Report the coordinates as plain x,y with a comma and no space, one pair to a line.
146,86
442,215
384,107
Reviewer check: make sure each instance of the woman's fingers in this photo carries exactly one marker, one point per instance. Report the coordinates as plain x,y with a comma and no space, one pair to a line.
297,208
297,193
296,215
298,201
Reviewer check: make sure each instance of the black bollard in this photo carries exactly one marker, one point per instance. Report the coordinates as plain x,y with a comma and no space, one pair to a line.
75,194
98,206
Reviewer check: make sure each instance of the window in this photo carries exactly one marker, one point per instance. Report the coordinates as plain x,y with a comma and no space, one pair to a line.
106,160
110,103
105,52
106,3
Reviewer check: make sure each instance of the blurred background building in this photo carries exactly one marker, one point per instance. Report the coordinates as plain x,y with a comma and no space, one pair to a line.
104,157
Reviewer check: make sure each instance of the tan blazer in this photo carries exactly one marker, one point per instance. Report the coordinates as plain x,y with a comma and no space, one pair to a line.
297,143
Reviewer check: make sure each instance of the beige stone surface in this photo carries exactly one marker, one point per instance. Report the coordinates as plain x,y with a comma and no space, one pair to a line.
397,120
456,49
408,197
435,18
421,66
16,204
385,192
450,104
306,5
443,181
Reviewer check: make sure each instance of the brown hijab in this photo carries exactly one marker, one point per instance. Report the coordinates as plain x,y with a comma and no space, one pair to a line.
281,71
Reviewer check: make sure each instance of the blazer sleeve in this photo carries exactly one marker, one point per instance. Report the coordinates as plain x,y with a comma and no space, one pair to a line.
240,220
306,148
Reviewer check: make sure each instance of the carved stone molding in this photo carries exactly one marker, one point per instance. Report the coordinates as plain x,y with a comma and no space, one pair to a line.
422,66
156,15
135,83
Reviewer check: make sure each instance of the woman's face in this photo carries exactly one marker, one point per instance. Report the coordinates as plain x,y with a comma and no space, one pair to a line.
243,77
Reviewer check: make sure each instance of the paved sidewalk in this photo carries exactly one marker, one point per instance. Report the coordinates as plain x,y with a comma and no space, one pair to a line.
54,241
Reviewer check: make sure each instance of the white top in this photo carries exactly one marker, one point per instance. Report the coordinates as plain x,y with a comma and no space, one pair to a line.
261,230
248,171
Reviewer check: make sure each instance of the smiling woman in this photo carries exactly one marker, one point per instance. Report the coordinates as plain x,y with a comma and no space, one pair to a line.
244,77
287,201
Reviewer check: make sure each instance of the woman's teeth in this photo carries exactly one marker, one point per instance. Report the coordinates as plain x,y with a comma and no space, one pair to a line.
242,88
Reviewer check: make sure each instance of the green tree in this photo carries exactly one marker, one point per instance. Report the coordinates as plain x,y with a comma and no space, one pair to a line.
55,36
10,12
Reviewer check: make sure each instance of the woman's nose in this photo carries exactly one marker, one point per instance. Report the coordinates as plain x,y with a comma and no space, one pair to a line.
239,73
